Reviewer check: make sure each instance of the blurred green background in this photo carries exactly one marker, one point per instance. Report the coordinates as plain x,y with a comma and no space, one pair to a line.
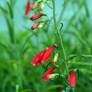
18,44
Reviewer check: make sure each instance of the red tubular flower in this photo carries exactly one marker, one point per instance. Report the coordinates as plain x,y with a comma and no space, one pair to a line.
35,25
37,58
48,53
42,53
36,16
72,79
47,73
42,56
28,8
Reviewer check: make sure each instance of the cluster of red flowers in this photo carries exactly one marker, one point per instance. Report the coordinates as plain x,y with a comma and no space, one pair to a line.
44,55
72,79
35,16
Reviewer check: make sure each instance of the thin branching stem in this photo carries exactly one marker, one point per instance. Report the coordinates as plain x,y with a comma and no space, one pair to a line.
61,43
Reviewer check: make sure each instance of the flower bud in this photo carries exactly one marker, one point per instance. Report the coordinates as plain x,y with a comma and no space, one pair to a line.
47,73
36,16
55,58
41,6
72,79
34,6
35,25
52,76
41,25
27,8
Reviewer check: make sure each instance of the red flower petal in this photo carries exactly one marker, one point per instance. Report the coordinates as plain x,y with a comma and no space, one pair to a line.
48,53
72,79
37,58
35,25
47,73
42,53
28,8
36,16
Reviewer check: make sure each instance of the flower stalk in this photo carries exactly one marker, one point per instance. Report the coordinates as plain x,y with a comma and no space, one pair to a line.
58,35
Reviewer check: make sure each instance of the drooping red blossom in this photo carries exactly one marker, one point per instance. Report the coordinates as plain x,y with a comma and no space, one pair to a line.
37,58
47,73
35,25
42,53
40,58
36,16
28,8
72,79
48,53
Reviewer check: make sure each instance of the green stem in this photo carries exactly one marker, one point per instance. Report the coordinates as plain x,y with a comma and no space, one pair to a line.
58,35
17,88
73,89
